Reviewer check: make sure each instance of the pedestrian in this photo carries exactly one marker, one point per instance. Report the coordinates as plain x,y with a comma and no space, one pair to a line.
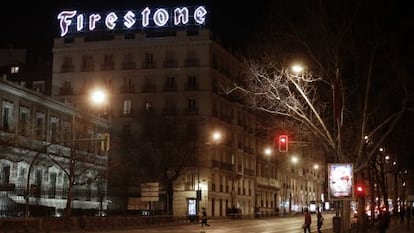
308,221
408,216
402,214
382,222
204,217
319,220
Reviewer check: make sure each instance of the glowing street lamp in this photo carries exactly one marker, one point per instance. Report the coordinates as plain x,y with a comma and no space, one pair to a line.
297,69
98,96
267,151
216,136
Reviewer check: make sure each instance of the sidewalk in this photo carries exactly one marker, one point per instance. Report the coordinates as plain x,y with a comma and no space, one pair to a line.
396,227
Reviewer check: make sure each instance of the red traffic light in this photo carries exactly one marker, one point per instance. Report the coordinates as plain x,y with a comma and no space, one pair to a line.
360,190
283,143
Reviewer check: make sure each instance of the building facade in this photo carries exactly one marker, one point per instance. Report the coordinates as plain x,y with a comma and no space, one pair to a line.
168,83
45,146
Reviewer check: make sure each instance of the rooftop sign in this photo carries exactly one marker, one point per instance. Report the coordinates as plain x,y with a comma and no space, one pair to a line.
72,21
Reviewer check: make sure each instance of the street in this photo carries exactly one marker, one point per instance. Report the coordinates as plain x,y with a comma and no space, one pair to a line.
264,225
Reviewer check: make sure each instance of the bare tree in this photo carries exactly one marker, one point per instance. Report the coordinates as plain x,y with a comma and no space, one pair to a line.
161,150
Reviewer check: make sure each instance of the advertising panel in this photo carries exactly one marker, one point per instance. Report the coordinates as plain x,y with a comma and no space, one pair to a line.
340,181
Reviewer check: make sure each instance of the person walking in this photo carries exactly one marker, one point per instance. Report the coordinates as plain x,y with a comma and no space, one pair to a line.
204,217
319,220
308,221
402,215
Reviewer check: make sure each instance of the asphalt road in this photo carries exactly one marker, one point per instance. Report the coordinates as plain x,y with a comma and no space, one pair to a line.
264,225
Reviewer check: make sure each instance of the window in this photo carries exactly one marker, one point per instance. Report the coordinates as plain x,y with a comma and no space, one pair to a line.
148,105
87,63
14,69
67,65
40,125
192,82
67,84
24,121
170,83
128,62
39,86
53,128
129,58
148,57
192,105
52,185
148,61
108,63
22,178
7,116
108,59
5,175
127,107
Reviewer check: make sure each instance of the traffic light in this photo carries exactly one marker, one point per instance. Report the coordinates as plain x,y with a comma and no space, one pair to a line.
283,143
360,191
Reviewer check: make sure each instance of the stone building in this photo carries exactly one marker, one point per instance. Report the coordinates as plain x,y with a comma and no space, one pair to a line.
44,145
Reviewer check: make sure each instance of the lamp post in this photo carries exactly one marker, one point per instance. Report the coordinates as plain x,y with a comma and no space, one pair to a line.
215,139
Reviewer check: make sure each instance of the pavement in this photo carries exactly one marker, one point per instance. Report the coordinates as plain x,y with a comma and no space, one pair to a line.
396,227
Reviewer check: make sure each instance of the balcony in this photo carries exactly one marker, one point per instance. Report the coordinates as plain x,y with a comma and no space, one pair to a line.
192,62
269,182
169,87
65,68
127,89
108,66
170,64
128,66
148,65
169,111
191,87
87,68
191,111
66,91
148,88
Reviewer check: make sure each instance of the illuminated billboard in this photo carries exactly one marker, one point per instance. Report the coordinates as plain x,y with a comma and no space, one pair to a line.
75,21
340,181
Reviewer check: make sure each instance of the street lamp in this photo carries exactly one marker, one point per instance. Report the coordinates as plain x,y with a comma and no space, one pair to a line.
268,151
97,97
216,137
297,68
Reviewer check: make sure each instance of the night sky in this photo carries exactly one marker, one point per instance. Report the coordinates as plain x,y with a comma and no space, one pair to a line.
33,25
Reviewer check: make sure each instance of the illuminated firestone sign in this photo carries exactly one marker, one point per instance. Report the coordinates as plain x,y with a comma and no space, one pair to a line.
74,21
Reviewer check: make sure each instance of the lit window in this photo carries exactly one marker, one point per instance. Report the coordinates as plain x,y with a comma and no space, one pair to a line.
14,69
127,107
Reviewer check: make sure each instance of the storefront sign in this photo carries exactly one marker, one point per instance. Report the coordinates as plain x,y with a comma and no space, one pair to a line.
72,21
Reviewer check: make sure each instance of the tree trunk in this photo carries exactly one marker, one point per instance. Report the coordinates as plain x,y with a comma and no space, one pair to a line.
345,216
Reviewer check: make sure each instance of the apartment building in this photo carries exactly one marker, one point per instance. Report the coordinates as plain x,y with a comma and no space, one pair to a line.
165,87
